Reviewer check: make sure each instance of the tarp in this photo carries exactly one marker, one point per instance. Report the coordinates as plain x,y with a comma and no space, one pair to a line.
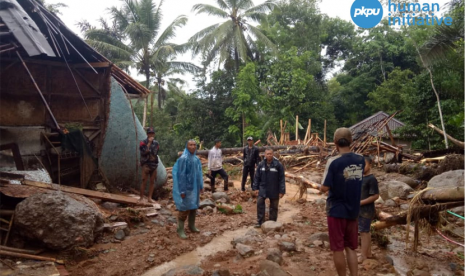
120,152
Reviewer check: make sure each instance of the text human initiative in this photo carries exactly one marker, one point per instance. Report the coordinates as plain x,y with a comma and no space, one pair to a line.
408,10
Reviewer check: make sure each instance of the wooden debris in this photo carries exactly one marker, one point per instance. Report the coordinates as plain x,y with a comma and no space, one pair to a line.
152,214
17,250
88,193
309,183
27,256
452,139
114,225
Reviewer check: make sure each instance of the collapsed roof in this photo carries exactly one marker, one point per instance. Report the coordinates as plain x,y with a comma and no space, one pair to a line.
28,29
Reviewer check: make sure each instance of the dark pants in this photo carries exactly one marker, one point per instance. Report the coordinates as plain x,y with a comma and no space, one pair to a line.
273,215
223,175
247,170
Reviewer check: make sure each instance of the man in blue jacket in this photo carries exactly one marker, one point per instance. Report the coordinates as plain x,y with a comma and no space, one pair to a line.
269,183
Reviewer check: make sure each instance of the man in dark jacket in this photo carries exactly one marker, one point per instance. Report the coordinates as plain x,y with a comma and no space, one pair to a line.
251,159
149,162
269,183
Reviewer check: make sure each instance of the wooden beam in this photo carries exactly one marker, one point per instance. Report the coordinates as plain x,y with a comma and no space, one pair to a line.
324,136
27,256
104,64
88,193
390,135
87,82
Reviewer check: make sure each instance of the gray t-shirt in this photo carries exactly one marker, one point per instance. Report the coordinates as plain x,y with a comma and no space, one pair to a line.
369,188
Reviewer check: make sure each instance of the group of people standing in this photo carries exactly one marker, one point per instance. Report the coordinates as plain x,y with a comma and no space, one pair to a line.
347,180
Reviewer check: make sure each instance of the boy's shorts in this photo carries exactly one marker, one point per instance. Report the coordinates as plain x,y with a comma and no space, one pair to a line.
364,225
342,233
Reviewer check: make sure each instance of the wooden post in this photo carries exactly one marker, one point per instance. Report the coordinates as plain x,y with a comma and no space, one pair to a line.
297,127
282,132
324,136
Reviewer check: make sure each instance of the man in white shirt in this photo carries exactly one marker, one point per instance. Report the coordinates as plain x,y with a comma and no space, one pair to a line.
215,165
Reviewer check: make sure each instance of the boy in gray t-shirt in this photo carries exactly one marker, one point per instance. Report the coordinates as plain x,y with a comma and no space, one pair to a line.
370,194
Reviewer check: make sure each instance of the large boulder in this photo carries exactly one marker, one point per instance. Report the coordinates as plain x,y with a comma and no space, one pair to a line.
271,226
205,203
220,195
271,268
447,179
392,188
58,221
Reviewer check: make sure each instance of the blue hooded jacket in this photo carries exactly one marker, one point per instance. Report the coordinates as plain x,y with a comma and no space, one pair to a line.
188,180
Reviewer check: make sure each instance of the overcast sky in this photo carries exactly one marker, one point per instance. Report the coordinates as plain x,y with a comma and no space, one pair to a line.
91,10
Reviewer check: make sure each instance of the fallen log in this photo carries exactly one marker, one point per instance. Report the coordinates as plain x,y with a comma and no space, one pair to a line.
419,212
88,193
444,194
452,139
31,257
310,183
239,150
17,250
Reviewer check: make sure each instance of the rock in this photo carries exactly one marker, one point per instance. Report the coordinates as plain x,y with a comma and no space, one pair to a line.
206,234
409,181
207,187
379,201
370,264
320,201
165,212
244,250
172,220
287,246
389,260
208,210
193,270
448,179
222,200
389,203
459,249
320,236
218,195
110,205
326,244
271,268
277,237
458,210
252,232
393,188
404,206
418,272
119,235
285,237
113,218
271,226
453,266
318,243
275,255
246,240
205,203
223,272
158,222
150,259
58,221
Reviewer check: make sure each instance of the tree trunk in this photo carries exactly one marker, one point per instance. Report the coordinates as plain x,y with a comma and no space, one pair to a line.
147,85
452,139
159,94
243,129
310,183
236,58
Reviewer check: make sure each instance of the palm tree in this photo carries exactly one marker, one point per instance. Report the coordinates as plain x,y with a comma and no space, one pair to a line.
141,43
234,38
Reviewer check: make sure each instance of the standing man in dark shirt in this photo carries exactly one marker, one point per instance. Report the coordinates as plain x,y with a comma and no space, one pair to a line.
251,159
269,183
370,193
343,179
149,162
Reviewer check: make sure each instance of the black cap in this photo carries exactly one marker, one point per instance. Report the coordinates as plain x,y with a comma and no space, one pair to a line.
150,130
217,140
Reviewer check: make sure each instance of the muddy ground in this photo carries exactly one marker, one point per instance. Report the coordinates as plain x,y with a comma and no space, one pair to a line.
153,248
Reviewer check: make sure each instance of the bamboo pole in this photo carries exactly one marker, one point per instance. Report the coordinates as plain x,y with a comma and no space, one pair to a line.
324,136
31,257
17,250
297,127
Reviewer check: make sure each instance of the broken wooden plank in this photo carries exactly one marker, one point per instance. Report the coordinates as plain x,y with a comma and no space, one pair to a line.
114,225
89,193
17,250
27,256
152,214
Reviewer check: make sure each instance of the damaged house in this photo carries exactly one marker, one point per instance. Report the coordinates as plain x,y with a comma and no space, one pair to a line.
64,107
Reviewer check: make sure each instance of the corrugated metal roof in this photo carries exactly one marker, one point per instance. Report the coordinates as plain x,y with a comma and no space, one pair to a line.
24,29
363,125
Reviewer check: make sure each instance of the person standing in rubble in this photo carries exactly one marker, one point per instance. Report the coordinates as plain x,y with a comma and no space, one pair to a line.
149,161
187,186
343,178
251,160
215,165
269,183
